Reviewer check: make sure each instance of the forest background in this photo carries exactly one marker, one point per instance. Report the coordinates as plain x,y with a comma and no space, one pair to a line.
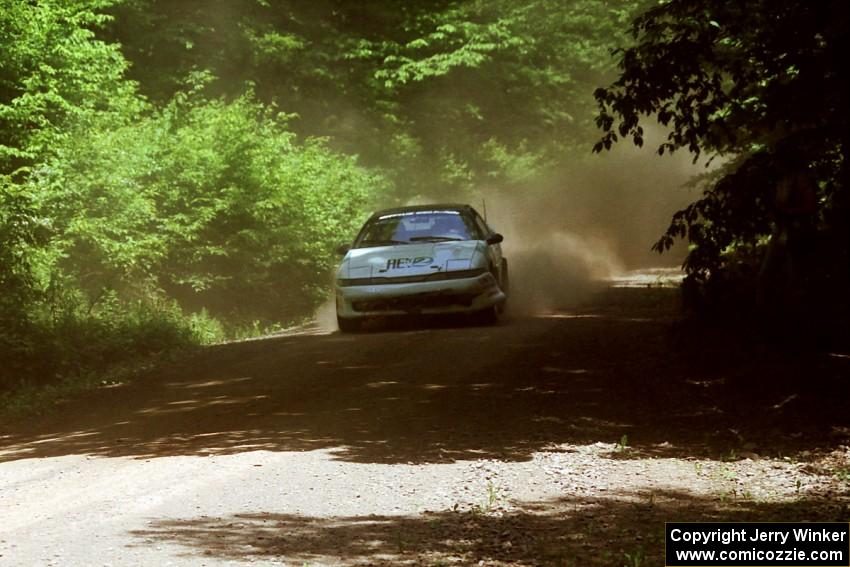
180,173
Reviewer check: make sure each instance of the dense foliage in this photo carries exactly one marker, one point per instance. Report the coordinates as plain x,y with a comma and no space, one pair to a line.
210,201
173,171
763,86
119,217
442,96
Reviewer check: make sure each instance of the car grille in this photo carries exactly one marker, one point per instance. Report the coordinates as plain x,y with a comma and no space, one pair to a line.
437,276
416,302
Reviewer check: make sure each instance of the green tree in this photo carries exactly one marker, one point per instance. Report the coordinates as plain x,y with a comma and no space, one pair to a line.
55,72
444,96
214,202
762,86
112,207
494,92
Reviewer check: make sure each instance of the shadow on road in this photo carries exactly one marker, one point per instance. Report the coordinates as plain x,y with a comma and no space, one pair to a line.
620,529
613,368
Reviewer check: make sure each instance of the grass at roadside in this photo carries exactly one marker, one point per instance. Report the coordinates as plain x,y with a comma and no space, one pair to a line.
52,362
45,360
30,398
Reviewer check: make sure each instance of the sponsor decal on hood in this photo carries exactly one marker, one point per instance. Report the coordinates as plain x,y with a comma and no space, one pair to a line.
412,259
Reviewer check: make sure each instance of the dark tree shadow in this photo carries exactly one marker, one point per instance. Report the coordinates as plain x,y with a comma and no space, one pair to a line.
577,531
617,367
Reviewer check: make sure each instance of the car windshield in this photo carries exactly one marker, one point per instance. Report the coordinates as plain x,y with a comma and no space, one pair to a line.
417,226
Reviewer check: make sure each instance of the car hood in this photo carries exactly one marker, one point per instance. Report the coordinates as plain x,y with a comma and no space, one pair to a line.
412,259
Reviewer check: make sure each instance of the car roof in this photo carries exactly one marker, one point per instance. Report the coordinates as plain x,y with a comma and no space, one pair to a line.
430,207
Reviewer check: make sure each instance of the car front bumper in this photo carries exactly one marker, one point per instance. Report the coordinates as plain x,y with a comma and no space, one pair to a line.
445,296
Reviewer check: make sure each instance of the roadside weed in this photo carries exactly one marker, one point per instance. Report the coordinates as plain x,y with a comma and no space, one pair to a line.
651,500
490,500
635,558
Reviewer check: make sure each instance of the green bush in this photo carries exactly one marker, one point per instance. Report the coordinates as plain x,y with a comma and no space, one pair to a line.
214,202
129,228
205,207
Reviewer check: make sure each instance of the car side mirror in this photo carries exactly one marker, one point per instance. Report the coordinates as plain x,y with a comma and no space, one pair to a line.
343,249
495,238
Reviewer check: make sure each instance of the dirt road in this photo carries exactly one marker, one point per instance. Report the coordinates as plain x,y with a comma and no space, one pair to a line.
562,438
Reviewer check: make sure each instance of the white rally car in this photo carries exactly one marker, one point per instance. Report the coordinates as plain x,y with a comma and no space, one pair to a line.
422,260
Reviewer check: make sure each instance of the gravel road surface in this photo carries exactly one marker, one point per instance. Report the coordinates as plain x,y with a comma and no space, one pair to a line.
560,438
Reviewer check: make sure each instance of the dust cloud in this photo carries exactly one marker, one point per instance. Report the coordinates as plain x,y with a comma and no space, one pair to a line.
325,316
589,223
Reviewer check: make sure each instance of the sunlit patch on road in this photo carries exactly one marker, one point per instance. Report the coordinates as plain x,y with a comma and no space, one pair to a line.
208,383
557,315
648,277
